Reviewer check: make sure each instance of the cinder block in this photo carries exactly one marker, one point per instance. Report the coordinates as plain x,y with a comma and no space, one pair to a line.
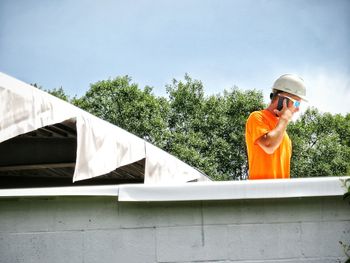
264,241
24,215
192,243
289,210
253,211
334,209
208,261
122,245
321,239
159,214
294,260
58,214
53,247
84,213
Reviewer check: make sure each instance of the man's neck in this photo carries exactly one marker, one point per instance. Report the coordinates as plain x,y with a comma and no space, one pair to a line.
271,109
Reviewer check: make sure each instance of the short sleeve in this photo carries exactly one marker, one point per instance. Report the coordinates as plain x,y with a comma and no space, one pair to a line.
256,126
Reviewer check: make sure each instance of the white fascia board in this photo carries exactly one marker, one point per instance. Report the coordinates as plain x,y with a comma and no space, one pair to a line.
228,190
235,190
98,190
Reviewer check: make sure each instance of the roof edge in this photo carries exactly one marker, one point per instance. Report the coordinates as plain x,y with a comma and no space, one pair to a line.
199,191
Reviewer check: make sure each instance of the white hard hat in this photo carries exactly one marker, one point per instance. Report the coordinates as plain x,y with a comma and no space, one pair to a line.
292,84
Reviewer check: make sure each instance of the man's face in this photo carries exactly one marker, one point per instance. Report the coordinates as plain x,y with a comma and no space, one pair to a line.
293,99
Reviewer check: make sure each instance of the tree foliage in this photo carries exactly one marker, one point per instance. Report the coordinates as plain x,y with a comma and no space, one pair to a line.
321,145
207,132
57,92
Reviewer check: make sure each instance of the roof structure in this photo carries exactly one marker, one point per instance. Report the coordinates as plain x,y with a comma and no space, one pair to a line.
45,141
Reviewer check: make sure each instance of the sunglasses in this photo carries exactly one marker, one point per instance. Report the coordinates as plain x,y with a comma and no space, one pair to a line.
296,103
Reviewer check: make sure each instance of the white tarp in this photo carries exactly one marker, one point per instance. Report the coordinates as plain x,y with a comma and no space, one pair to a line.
101,146
159,163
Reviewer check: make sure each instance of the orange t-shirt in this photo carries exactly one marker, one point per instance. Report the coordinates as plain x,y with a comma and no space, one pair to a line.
261,164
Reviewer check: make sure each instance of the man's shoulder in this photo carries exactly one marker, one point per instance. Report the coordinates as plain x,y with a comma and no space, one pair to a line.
256,114
261,117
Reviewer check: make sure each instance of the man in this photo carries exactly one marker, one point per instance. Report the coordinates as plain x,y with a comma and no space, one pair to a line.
268,145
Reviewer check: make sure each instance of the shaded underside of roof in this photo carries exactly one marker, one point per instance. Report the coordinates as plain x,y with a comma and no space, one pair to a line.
47,156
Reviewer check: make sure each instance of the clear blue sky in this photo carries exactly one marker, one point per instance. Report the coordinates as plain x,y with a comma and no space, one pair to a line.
222,43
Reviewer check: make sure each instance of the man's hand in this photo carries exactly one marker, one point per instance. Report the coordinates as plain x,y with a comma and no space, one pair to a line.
272,140
287,111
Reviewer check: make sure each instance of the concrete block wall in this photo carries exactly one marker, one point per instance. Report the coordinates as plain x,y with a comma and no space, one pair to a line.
101,229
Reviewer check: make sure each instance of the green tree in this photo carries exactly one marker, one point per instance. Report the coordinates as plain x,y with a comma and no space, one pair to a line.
186,131
208,132
57,92
320,144
239,106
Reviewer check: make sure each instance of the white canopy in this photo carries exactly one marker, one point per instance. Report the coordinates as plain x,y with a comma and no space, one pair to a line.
101,146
